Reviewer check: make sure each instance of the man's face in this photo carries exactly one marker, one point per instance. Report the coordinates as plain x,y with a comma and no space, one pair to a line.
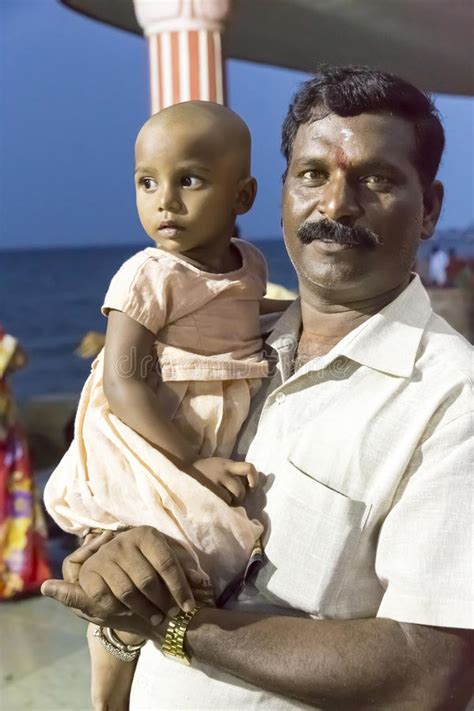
186,191
359,172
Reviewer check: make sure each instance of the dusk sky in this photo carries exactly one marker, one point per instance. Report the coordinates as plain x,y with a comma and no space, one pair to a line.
75,93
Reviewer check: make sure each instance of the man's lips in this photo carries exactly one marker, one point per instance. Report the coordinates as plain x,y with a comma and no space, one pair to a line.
331,246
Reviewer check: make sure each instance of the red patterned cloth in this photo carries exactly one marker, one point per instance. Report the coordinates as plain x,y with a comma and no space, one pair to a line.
23,564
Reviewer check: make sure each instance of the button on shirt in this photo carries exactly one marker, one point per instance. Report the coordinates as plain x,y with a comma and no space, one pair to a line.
367,459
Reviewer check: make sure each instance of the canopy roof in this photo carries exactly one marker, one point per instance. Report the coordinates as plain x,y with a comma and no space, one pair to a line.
428,42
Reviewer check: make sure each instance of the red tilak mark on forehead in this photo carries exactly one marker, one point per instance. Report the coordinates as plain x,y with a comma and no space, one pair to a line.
342,160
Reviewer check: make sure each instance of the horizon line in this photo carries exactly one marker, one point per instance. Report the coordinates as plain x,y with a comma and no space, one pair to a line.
101,245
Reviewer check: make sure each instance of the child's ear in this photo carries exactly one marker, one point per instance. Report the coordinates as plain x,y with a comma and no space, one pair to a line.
246,193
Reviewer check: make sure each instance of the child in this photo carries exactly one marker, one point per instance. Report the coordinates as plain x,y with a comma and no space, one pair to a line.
160,412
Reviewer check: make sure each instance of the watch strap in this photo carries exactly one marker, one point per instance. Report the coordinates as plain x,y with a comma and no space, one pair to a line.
173,643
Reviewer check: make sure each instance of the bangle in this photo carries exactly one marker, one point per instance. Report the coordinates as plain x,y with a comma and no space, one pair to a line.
110,641
173,644
100,531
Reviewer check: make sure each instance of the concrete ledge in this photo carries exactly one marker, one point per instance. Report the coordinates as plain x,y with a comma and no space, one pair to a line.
45,420
457,307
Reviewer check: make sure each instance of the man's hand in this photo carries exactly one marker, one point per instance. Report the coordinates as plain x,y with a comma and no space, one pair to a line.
226,478
135,571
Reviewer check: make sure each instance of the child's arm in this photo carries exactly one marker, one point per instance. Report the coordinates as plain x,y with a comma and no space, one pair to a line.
273,306
128,347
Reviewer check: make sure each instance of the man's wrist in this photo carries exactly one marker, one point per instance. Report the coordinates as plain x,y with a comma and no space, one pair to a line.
173,644
197,628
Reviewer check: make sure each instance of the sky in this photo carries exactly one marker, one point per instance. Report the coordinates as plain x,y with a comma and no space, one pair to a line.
75,93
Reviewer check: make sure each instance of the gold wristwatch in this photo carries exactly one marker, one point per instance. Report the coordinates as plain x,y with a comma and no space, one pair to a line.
173,644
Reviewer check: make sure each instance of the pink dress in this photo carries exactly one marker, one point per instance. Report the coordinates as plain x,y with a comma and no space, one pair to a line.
206,365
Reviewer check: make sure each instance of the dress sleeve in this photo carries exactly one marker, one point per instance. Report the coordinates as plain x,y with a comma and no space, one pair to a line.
138,289
425,553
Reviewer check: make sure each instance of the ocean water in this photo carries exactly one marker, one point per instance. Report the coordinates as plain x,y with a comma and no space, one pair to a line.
50,298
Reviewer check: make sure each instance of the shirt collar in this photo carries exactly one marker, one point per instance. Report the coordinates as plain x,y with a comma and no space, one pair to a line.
388,341
285,332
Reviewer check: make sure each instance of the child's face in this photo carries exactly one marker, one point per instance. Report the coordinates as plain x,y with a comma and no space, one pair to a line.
187,187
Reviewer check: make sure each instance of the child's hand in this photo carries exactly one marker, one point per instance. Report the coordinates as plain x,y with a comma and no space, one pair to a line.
111,679
226,478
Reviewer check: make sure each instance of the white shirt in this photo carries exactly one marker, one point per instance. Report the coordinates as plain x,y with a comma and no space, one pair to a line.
367,454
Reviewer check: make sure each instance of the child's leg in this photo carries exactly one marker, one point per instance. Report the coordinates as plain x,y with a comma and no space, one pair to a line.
111,679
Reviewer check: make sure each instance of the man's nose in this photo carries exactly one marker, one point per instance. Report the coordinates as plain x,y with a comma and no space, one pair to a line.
168,199
339,201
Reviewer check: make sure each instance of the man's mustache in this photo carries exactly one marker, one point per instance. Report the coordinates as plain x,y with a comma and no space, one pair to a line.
326,230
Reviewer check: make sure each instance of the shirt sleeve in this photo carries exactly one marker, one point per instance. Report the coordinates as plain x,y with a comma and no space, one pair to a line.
138,289
425,553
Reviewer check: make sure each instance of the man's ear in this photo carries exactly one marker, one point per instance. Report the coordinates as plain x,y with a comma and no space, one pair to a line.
246,194
432,204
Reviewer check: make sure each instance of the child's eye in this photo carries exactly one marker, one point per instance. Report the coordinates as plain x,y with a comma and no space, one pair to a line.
148,183
191,181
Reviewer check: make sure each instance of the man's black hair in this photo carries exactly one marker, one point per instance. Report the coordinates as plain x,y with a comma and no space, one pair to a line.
353,90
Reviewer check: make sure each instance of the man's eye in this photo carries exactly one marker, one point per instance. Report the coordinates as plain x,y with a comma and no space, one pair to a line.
148,183
377,181
313,176
191,181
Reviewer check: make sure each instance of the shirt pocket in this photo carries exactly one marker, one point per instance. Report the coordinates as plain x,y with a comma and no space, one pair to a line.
312,537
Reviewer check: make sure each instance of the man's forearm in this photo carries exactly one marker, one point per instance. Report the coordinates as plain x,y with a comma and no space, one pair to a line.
336,664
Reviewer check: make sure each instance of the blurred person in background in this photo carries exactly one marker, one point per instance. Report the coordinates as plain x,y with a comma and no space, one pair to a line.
23,564
438,267
454,268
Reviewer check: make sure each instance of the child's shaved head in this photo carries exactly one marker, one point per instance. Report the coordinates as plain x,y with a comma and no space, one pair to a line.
214,129
192,178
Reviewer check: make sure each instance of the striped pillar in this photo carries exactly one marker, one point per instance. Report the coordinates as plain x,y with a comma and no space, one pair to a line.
185,49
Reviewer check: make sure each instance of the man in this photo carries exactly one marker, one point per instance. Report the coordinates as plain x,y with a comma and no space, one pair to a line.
438,266
365,598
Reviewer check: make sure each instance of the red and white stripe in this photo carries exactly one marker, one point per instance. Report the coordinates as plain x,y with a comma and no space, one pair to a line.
186,65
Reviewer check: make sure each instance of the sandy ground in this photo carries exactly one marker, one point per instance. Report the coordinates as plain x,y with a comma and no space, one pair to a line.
44,659
43,654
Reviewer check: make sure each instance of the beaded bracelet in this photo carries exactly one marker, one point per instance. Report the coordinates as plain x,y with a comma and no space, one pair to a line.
110,641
